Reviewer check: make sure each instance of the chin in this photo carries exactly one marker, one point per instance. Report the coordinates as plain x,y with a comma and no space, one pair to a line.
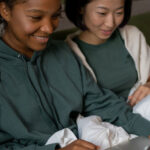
39,47
106,37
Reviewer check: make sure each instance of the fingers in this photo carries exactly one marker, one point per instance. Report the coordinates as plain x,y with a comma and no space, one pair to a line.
134,98
138,95
86,145
80,145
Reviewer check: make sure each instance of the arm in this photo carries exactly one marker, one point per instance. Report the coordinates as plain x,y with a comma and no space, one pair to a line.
76,145
18,141
16,145
104,103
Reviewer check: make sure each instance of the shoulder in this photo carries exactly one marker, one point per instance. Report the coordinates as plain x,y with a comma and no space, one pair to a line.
132,36
130,31
57,45
62,53
129,27
59,56
59,49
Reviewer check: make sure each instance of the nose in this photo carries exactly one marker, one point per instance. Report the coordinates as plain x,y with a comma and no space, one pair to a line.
49,25
110,21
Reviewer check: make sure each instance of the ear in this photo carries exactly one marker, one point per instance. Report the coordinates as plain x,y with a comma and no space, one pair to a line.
4,11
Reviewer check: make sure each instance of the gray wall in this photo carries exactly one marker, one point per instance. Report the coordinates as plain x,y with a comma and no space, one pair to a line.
139,7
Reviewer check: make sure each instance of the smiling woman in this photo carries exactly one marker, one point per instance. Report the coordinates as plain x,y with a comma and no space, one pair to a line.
32,92
29,24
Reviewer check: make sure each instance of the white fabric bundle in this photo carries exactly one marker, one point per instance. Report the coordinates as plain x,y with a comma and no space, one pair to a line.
100,133
93,130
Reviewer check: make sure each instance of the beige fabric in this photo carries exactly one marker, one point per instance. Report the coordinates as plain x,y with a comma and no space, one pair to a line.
77,50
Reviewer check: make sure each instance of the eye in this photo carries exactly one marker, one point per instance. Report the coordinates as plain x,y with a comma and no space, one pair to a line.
35,17
56,15
120,13
102,13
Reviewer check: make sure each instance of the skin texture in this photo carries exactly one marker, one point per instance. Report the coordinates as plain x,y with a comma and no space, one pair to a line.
30,24
80,145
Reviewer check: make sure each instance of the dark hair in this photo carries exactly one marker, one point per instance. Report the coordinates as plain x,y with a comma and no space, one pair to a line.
10,4
73,12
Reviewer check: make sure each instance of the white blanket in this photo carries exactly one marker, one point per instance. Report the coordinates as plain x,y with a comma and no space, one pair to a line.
93,130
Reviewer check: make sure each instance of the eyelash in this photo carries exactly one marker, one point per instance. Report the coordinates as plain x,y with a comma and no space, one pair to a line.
55,16
103,14
35,17
119,13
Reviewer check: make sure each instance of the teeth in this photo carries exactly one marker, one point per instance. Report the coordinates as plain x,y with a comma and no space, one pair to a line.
42,39
39,37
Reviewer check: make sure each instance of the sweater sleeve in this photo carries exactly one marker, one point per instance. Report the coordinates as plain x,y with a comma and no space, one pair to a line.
18,146
103,102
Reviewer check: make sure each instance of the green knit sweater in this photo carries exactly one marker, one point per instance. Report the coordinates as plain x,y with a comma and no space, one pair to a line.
111,63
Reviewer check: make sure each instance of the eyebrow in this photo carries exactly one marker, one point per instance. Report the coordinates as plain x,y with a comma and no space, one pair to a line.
41,11
107,8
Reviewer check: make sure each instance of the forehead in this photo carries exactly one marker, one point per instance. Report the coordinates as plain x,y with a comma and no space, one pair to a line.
47,5
107,3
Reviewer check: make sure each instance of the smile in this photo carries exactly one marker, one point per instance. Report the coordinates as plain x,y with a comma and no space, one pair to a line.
41,39
107,32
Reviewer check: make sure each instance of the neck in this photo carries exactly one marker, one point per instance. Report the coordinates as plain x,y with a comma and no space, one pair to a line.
90,38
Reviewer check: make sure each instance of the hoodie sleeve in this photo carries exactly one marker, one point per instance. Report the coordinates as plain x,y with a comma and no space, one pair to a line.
103,102
17,146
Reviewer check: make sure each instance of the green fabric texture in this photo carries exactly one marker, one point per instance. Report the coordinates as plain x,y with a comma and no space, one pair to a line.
111,57
45,94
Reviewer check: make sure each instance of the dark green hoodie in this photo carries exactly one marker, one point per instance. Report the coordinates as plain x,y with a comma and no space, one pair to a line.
46,93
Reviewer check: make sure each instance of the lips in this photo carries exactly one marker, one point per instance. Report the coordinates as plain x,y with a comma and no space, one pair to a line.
41,39
107,32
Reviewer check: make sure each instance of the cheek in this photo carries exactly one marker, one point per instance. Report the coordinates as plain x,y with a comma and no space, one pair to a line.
119,20
29,28
92,20
25,26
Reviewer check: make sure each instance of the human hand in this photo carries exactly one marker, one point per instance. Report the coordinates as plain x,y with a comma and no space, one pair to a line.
139,94
80,145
